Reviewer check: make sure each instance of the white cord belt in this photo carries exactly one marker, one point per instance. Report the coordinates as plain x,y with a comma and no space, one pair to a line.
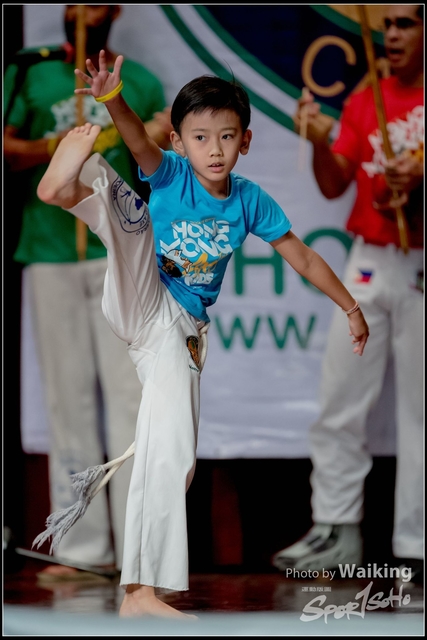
88,483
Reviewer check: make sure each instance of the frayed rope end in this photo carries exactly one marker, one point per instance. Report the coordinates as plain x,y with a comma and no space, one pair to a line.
86,485
83,482
59,522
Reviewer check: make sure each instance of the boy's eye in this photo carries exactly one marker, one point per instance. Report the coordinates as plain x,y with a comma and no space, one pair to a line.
227,136
200,137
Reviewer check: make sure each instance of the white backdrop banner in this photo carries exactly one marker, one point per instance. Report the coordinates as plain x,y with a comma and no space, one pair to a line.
269,327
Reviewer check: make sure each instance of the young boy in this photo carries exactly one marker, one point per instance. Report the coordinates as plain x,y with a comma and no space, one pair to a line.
165,268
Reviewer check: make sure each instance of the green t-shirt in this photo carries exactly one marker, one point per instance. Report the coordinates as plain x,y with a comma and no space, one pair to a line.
46,105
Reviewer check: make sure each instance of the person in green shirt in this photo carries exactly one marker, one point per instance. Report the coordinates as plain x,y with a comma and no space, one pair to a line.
81,359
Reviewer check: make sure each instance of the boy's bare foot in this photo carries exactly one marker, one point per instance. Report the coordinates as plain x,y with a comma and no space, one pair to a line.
141,600
60,184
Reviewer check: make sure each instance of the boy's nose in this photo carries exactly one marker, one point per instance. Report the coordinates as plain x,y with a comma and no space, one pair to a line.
216,149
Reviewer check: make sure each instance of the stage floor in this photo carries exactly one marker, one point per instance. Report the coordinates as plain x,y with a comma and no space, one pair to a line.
226,603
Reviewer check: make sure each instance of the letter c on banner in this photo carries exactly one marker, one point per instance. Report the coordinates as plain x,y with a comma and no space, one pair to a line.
307,65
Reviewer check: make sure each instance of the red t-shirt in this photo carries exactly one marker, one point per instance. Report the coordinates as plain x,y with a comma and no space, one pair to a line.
360,141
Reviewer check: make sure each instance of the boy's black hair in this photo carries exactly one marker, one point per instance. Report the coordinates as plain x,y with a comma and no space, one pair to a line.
210,93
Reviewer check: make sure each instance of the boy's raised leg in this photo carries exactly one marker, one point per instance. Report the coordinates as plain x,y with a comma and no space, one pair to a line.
60,184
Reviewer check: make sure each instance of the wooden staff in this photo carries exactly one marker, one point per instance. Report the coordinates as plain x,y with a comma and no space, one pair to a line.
303,133
379,107
81,229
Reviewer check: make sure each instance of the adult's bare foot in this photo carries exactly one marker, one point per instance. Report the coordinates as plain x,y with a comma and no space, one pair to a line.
58,573
60,184
59,570
141,600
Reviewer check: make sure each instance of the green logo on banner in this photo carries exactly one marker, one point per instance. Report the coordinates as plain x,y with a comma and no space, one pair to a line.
277,264
248,334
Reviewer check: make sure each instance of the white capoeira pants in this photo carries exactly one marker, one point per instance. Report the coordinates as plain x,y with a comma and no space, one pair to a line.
392,303
92,398
160,336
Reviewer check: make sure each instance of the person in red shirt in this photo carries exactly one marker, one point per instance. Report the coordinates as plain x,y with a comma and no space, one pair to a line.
389,284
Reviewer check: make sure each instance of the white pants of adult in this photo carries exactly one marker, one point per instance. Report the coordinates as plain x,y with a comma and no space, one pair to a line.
79,357
350,385
161,336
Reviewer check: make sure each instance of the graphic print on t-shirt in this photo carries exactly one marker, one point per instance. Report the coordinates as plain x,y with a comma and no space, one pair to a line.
64,112
195,249
406,135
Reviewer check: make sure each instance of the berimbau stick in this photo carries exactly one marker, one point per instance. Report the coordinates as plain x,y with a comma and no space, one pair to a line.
303,134
379,107
81,229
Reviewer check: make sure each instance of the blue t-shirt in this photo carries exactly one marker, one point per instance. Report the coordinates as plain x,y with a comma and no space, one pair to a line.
196,233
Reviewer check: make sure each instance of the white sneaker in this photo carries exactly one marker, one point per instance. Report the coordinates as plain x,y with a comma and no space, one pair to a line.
325,546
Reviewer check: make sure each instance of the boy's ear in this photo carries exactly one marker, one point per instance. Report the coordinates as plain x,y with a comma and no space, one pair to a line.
177,145
246,142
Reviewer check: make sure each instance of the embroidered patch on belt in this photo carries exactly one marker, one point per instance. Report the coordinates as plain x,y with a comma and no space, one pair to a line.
364,276
193,348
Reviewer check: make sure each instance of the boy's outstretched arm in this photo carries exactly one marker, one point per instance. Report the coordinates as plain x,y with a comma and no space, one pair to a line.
311,266
103,82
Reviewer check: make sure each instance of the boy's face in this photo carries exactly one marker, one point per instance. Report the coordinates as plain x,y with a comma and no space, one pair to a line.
212,142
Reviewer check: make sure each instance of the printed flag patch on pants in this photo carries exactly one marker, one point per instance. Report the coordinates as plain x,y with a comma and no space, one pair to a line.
364,276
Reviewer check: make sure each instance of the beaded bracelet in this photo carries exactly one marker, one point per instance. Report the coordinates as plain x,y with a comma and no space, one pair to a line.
353,309
112,93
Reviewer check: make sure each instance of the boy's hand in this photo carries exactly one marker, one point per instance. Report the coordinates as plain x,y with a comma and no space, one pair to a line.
102,81
359,330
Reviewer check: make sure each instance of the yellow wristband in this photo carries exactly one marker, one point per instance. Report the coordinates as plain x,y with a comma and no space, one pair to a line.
112,93
52,143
